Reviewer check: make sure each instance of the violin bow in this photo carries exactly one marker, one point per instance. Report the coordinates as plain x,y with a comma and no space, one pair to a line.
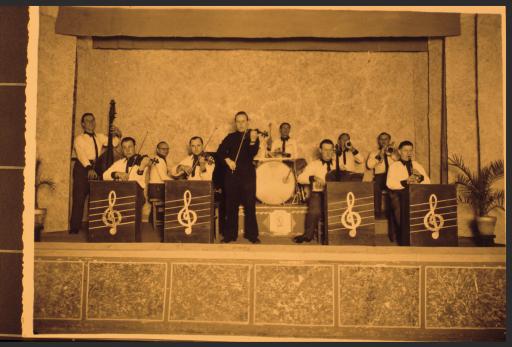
239,147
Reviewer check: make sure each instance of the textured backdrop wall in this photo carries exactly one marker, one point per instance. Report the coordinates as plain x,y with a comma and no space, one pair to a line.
177,94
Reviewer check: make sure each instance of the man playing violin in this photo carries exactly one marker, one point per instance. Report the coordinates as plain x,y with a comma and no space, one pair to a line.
237,152
132,167
199,165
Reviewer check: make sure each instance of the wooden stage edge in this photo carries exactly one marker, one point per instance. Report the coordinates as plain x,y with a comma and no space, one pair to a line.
440,255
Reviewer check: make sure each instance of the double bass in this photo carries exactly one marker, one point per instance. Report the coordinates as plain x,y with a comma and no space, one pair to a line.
106,159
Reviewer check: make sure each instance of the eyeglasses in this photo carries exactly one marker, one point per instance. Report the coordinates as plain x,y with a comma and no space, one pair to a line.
164,149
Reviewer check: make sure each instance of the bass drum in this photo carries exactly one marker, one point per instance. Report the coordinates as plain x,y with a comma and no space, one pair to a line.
275,183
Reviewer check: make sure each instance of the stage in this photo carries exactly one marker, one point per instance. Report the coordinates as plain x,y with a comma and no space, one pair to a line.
329,292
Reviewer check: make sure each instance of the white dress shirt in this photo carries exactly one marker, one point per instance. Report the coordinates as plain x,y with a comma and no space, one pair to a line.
351,160
378,165
159,172
84,147
315,168
120,166
198,174
291,146
398,172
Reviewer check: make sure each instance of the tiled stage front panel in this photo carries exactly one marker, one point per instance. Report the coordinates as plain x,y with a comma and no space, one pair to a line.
274,291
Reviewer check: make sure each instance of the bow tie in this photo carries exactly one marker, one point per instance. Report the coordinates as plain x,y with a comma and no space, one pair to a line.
326,162
285,138
90,134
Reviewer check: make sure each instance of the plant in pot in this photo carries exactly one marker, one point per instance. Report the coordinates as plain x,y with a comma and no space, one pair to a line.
476,189
40,213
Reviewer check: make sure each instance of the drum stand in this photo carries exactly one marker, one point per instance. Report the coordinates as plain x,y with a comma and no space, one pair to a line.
297,197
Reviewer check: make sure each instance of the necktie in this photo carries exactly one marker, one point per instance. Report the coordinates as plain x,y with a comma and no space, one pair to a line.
386,163
284,139
328,163
344,157
95,146
195,159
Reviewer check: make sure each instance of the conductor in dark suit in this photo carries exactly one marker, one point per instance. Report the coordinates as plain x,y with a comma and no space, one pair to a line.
237,152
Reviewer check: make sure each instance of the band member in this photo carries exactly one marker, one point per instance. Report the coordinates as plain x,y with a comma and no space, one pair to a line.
379,161
401,173
237,151
285,146
349,155
198,166
132,167
88,147
159,172
314,174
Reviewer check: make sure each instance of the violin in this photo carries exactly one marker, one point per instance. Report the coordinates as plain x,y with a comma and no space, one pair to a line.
263,133
210,160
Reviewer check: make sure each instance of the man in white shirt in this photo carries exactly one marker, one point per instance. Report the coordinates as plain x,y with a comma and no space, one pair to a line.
132,167
88,146
349,155
314,173
401,173
198,166
159,172
284,147
379,161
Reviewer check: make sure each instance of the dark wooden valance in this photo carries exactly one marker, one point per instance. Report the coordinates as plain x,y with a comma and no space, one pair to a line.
253,23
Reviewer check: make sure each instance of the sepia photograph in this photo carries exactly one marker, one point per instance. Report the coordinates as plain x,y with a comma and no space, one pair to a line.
272,174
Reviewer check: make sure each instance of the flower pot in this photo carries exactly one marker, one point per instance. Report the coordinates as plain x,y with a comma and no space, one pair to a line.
39,217
486,225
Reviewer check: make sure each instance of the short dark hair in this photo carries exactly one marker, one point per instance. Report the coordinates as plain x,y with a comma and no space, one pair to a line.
160,143
195,138
405,143
242,112
339,137
384,133
126,139
326,141
283,124
85,115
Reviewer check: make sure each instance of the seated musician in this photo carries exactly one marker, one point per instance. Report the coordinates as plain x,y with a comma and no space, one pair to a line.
379,161
315,173
159,171
198,166
88,147
349,156
284,147
132,167
401,173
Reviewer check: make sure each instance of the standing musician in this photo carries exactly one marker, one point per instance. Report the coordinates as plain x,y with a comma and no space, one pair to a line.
237,151
314,174
379,161
401,173
285,146
88,147
159,172
132,167
199,165
349,155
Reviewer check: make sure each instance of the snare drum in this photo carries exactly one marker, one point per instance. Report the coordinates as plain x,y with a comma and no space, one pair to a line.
275,182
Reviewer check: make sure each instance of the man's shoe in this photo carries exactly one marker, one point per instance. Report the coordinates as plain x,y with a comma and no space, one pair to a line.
73,231
225,240
255,241
301,239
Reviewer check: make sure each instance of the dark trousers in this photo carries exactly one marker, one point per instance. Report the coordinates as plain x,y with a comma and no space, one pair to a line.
314,213
397,198
380,186
240,189
80,192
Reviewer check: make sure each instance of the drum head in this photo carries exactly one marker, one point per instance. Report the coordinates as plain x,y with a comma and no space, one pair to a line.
275,183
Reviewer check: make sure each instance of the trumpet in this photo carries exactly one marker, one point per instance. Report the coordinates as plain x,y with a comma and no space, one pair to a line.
348,144
390,150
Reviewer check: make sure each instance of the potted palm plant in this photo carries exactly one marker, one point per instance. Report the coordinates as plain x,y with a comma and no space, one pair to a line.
40,213
476,189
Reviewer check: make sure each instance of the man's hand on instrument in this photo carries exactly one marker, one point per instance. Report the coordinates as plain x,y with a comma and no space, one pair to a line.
412,179
253,136
144,163
185,169
319,180
116,131
231,164
122,176
92,175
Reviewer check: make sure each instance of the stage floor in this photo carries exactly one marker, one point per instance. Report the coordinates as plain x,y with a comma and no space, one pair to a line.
150,236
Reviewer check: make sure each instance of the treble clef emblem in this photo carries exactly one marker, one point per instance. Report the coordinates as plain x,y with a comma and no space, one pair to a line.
111,217
432,221
187,217
349,219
